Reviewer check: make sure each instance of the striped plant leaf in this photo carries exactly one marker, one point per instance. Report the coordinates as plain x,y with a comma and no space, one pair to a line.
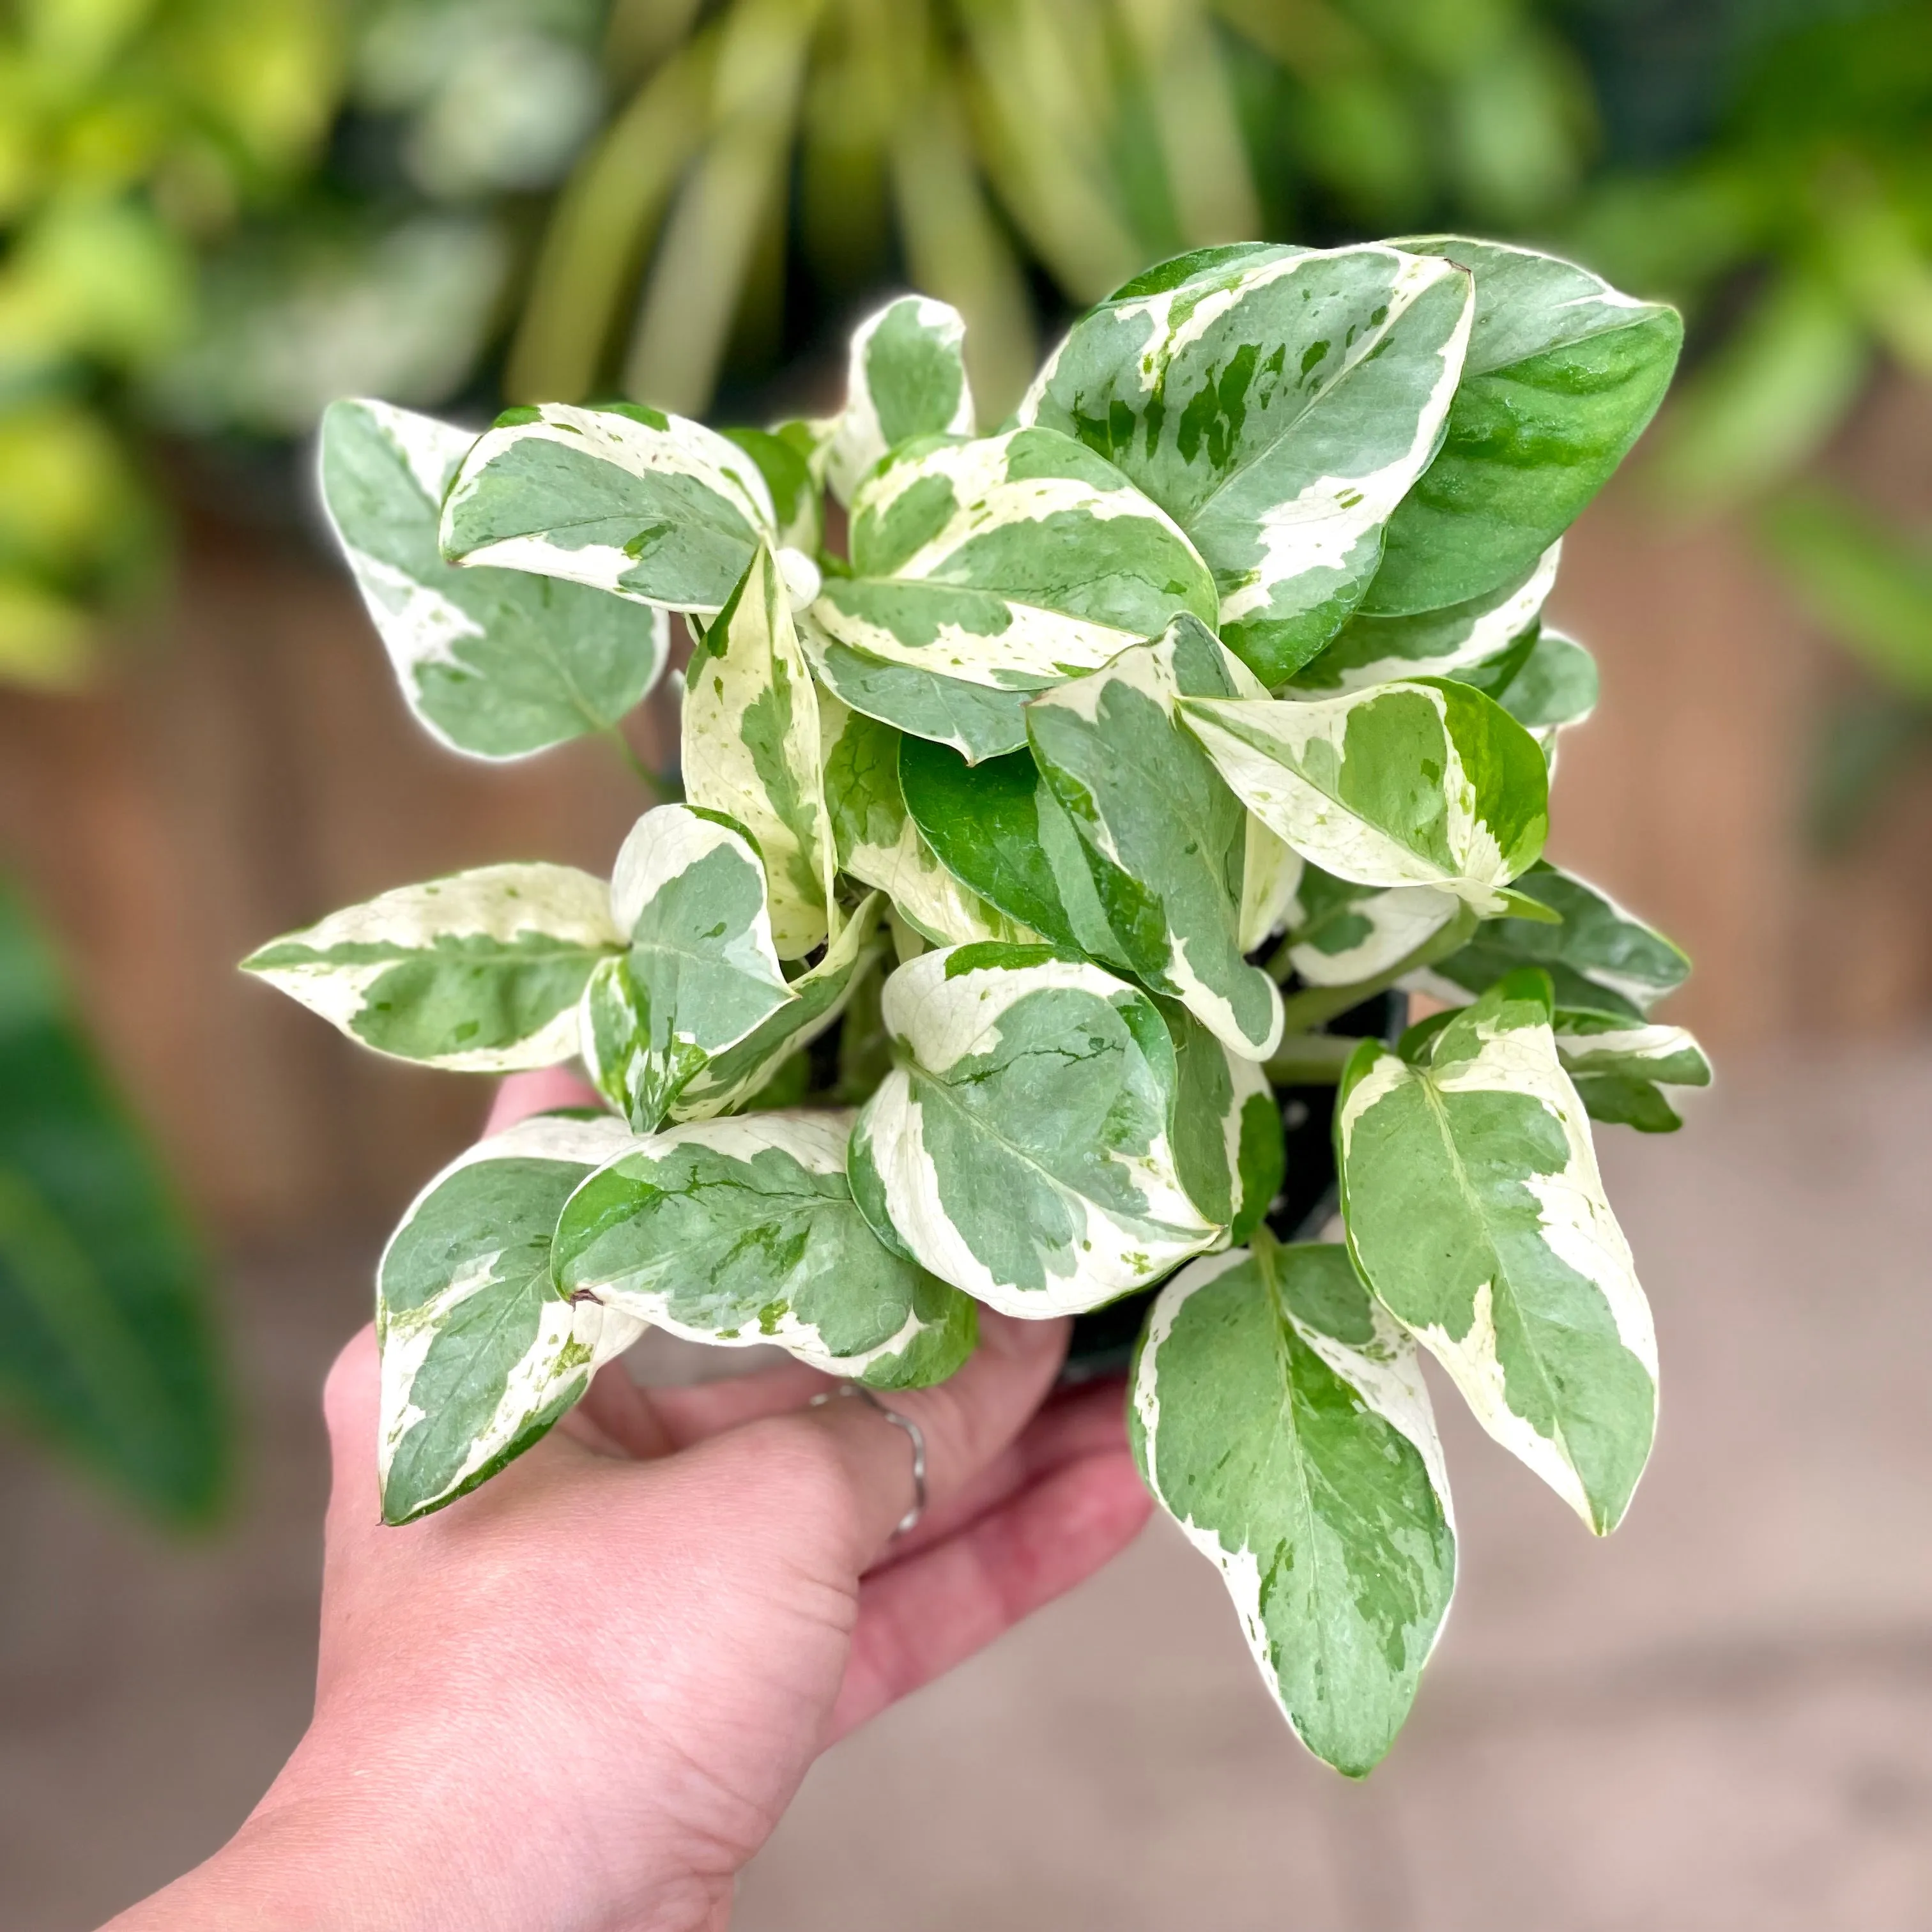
1280,1418
984,572
1423,782
1022,1147
1562,374
480,973
495,663
1164,839
482,1352
701,973
877,844
1341,933
743,1232
1278,403
819,996
626,498
1435,644
1475,1213
1228,1147
1599,957
907,378
751,748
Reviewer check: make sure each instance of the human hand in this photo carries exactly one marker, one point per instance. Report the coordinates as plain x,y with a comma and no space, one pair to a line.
582,1697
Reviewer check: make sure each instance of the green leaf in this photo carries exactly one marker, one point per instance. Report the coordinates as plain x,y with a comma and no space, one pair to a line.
1278,403
878,845
798,514
1164,839
1423,782
1551,684
479,973
701,974
657,508
1022,1146
1370,649
1562,374
1280,1418
1620,1099
742,1231
107,1338
1341,933
1600,956
986,571
482,1352
1598,1043
907,378
1475,1213
1228,1147
495,663
751,748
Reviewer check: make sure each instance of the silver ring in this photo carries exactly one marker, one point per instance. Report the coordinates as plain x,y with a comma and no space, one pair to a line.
914,1432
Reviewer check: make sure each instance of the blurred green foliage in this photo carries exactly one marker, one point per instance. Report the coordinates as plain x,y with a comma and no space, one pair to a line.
106,1339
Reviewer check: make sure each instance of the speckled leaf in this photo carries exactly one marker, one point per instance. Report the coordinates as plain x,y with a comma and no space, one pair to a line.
1281,1419
986,571
907,378
1229,1148
479,973
1423,782
1165,840
1278,403
751,748
495,663
1021,1147
1600,956
1437,644
481,1352
1343,933
1475,1213
627,498
877,843
743,1232
1562,374
700,974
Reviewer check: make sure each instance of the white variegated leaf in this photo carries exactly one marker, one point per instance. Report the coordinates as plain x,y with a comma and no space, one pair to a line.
480,1351
742,1231
497,664
907,378
1228,1141
479,973
751,748
1425,782
1342,934
1475,1213
1608,1043
1270,877
1022,1148
1280,1418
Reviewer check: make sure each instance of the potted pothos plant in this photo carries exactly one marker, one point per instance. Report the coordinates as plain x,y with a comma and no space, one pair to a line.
1032,849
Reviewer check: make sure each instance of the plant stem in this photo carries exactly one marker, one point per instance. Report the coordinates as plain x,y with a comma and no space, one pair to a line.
1311,1059
661,785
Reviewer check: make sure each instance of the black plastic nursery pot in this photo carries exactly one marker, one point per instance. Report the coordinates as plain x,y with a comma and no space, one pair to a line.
1103,1339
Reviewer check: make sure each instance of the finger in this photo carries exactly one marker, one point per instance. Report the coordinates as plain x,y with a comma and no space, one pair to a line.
351,1399
919,1617
965,1423
548,1087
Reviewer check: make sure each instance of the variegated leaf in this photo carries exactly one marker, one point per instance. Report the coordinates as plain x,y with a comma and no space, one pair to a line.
1562,375
785,460
1475,1213
1554,685
479,973
751,748
984,572
1609,1043
701,973
1228,1147
480,1351
1600,956
878,845
625,499
820,995
1022,1148
743,1232
1342,934
495,663
1436,643
1278,403
1270,877
1423,782
1626,1100
907,378
1165,840
1280,1418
